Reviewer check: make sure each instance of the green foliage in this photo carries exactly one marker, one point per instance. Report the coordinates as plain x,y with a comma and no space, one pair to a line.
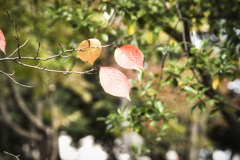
149,114
153,26
139,151
148,108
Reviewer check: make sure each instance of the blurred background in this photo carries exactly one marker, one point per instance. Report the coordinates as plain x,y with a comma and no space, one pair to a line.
70,117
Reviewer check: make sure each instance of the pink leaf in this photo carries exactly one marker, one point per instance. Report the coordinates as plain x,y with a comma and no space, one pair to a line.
2,42
114,82
129,56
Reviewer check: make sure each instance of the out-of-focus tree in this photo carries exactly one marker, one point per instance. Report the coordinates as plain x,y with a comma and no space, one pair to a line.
57,102
196,45
177,67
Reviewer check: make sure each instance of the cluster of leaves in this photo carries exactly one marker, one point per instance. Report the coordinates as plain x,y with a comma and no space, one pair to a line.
112,80
217,65
147,21
220,64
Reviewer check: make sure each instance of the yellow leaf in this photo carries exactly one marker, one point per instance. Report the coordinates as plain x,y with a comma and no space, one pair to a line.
215,82
235,62
180,83
131,29
90,50
147,37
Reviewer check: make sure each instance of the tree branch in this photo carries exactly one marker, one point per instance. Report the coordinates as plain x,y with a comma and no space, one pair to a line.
205,77
15,59
19,48
37,51
56,71
24,109
17,36
9,58
10,154
13,126
19,57
10,77
184,32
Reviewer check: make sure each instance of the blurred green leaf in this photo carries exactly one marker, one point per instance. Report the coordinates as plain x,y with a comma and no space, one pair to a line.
190,90
159,106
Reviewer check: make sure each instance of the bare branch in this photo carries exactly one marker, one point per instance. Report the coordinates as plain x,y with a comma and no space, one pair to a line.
10,154
17,36
37,51
84,48
11,74
54,56
14,24
19,48
92,71
61,47
10,77
52,70
13,126
23,107
15,59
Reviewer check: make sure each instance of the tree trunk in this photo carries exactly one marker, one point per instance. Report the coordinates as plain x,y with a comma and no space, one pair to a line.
48,147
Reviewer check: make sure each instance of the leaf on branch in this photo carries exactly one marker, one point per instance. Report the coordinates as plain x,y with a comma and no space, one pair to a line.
215,82
130,57
131,29
91,50
2,42
190,90
114,82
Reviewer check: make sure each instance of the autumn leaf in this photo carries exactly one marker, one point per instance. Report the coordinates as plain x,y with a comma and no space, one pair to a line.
2,42
114,82
89,54
129,56
215,82
131,29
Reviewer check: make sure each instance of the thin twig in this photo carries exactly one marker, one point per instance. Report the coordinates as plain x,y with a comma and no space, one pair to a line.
10,77
11,74
10,154
18,43
37,51
54,56
19,48
14,24
52,70
15,59
17,36
60,54
84,48
31,58
61,47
